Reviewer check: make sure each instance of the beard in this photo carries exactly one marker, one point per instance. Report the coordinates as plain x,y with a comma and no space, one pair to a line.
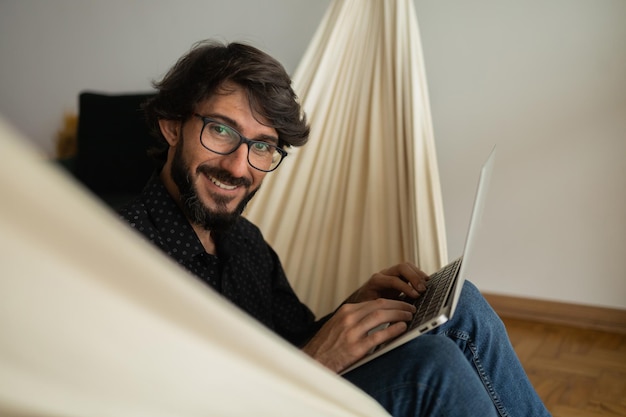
214,220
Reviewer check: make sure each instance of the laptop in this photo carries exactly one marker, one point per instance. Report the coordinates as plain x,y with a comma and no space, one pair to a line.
437,304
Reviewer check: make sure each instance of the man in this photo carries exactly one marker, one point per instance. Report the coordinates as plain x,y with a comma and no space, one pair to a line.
224,115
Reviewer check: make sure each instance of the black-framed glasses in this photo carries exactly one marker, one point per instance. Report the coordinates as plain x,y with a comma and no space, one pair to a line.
224,140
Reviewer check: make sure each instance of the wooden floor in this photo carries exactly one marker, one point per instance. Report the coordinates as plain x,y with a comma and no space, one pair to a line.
577,372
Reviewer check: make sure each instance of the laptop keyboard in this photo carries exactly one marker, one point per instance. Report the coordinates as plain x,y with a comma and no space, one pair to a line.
437,288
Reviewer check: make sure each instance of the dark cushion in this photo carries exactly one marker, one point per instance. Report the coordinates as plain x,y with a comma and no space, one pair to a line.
112,142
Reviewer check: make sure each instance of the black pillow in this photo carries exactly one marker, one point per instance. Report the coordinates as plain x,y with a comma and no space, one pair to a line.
112,142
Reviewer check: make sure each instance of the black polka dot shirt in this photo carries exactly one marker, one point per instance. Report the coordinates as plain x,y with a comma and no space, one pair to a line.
246,269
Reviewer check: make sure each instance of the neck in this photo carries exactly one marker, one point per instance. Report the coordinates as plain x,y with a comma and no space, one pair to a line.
205,238
203,235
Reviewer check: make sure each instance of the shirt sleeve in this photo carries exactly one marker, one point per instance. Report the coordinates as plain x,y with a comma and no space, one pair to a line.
292,318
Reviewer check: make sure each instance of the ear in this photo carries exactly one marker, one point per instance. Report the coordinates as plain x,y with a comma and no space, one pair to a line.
170,129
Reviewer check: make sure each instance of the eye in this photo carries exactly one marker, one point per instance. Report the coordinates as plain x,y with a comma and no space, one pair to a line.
220,130
262,146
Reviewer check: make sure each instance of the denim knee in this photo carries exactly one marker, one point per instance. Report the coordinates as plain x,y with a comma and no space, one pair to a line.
429,356
426,374
474,312
432,356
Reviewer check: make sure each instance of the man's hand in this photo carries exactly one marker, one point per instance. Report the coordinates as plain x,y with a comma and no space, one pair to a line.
391,283
346,338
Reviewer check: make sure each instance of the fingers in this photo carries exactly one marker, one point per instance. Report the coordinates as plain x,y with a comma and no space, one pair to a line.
412,280
372,314
383,320
389,333
397,282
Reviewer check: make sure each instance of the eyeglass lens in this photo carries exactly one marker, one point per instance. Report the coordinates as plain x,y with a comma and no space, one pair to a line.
224,140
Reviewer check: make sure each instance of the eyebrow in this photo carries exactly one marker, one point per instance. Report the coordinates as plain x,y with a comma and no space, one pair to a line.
236,126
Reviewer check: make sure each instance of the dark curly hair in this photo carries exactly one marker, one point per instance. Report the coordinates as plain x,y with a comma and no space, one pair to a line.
207,66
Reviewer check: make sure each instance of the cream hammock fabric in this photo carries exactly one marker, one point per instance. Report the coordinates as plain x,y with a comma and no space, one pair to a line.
94,321
364,193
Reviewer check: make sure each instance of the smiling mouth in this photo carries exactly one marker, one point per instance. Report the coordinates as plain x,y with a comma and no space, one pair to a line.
221,184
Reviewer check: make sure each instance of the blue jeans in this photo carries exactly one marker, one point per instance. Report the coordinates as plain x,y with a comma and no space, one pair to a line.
467,367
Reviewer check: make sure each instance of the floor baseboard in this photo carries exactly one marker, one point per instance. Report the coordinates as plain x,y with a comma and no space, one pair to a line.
577,315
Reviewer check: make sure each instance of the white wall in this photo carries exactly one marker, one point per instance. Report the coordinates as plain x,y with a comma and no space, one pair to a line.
51,50
544,80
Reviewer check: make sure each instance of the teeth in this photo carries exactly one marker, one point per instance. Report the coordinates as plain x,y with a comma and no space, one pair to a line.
222,185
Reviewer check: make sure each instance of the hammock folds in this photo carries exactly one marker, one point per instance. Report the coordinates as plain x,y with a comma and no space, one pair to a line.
364,193
96,321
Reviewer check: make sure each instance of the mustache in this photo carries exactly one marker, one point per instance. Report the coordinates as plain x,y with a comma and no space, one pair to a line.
223,176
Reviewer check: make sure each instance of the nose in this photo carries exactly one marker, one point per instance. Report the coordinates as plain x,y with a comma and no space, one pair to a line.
237,162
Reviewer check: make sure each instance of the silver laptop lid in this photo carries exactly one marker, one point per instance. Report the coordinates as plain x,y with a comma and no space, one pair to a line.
474,225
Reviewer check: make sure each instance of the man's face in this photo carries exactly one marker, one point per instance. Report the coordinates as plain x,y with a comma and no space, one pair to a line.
214,189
